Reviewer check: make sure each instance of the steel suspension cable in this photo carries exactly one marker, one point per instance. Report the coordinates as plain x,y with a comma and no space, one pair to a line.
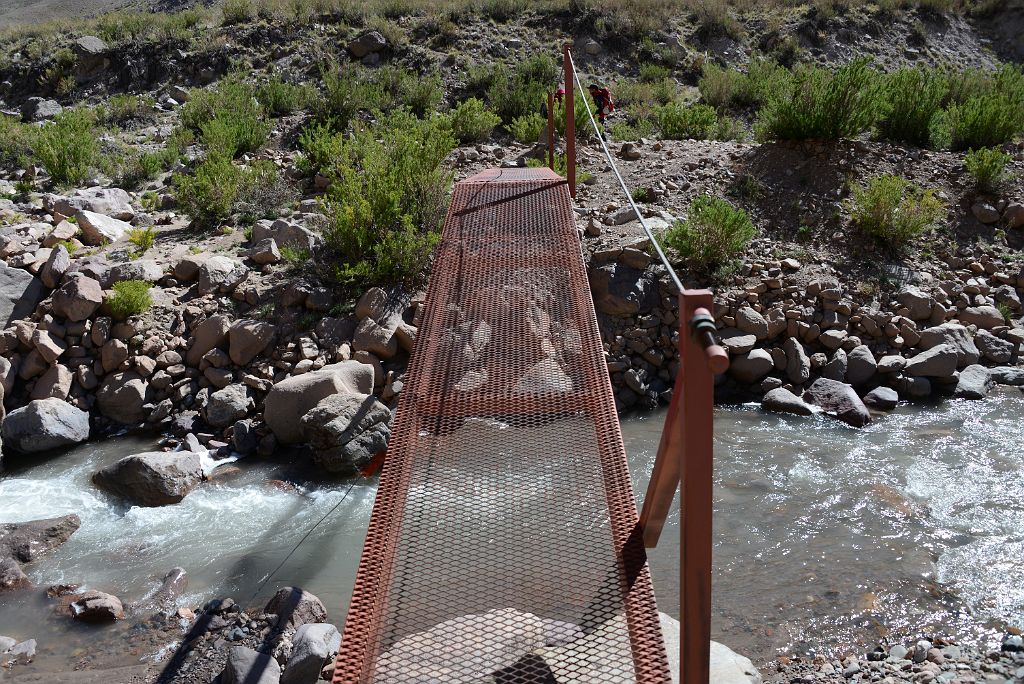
615,169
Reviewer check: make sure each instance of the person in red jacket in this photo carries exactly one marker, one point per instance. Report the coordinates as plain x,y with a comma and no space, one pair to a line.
603,101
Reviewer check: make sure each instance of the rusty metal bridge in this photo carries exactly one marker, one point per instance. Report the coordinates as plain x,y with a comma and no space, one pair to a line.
504,544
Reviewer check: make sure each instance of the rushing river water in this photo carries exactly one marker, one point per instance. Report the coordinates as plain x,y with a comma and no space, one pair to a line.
825,536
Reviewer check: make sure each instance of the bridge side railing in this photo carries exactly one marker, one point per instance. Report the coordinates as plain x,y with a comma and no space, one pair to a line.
685,459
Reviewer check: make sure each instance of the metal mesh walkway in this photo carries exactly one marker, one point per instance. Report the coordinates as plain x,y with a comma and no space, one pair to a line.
503,545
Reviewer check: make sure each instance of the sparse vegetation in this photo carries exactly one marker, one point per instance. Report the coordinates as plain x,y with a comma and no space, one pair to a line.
67,147
713,233
893,210
527,129
677,121
472,122
142,238
130,298
988,168
208,194
280,98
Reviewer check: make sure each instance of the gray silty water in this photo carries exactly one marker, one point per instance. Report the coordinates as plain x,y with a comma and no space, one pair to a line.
825,536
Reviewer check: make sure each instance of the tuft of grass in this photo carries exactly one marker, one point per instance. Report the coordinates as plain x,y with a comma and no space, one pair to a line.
713,233
121,109
130,298
142,238
294,256
893,210
988,168
237,12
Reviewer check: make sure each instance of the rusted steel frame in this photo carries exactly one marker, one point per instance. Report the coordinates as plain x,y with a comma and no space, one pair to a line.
512,198
507,405
551,131
570,121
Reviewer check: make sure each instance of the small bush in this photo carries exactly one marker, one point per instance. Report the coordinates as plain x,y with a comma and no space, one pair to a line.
893,210
677,121
422,94
15,142
142,238
262,193
581,119
639,128
232,99
280,98
234,136
653,73
67,147
120,109
719,85
238,12
320,145
818,104
723,87
984,121
346,94
504,10
714,233
209,193
527,129
130,298
472,122
561,167
911,98
988,168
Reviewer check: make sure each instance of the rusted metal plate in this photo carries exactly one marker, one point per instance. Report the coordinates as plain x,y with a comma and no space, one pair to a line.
503,544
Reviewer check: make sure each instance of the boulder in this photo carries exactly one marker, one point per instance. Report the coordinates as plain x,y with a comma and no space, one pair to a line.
367,43
28,541
914,387
143,269
781,400
737,342
975,382
97,607
55,383
20,292
90,56
620,290
55,267
1008,375
113,202
752,367
225,406
1014,215
937,362
985,317
333,332
152,478
209,334
289,400
122,397
860,365
40,109
312,647
49,346
265,252
917,303
994,349
45,424
751,322
890,364
97,229
220,274
375,338
838,399
798,366
247,339
881,398
954,335
832,339
12,577
373,304
286,234
727,666
246,666
985,212
835,369
187,268
295,607
78,298
346,431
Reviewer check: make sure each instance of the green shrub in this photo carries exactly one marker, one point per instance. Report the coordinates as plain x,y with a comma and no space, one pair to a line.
503,10
234,136
294,255
280,98
422,94
581,119
123,108
723,87
818,104
387,199
142,238
15,142
639,128
714,233
893,210
518,92
677,121
238,12
472,122
527,129
984,121
263,193
320,144
910,100
232,99
653,73
208,194
130,298
988,168
346,93
67,147
719,85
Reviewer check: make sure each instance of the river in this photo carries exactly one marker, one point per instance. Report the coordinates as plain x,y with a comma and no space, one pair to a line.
827,538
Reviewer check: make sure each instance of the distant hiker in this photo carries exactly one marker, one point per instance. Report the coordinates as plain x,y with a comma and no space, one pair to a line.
560,95
603,100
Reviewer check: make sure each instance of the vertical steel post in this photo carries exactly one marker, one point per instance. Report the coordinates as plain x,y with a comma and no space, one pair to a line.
570,121
551,131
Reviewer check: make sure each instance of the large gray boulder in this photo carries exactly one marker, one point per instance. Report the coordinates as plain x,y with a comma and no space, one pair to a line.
367,43
798,365
97,607
781,400
751,322
227,405
20,293
918,303
1008,375
954,335
620,290
98,229
220,274
209,334
78,298
346,431
995,349
975,382
289,400
146,270
90,57
751,367
40,109
122,397
113,202
860,365
882,399
246,666
937,362
45,424
152,478
247,339
28,541
985,317
838,399
727,666
286,234
295,607
312,647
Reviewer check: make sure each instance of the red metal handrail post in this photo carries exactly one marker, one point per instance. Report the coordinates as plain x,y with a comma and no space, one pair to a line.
551,131
686,455
570,121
